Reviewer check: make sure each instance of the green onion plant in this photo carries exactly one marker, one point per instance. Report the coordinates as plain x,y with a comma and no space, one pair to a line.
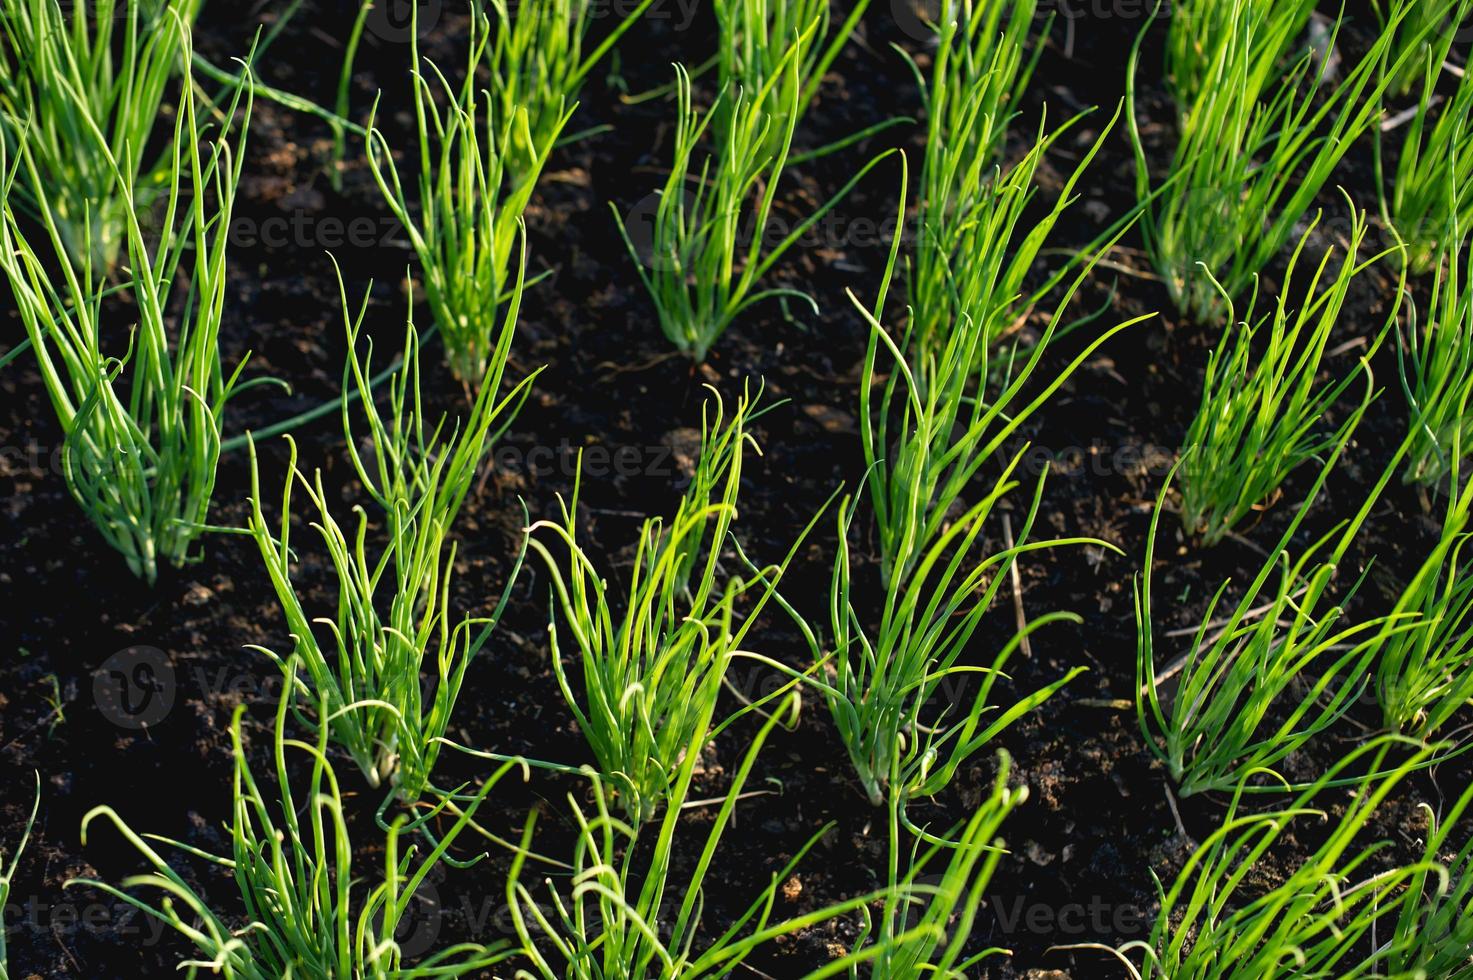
706,244
1259,679
1422,41
1429,205
141,415
1333,915
470,204
393,624
1436,362
538,65
931,905
758,38
307,911
1256,145
7,873
645,669
974,250
341,105
1200,35
82,86
1434,936
626,913
1262,403
982,65
1424,674
925,445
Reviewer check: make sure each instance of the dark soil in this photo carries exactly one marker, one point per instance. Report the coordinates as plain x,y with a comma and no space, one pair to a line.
1099,820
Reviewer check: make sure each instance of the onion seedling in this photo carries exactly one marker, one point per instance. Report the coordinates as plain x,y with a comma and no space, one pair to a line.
1255,148
1216,922
1261,401
1429,204
1436,364
537,64
1263,680
371,676
892,692
341,105
980,71
470,202
974,251
702,251
931,907
82,85
645,676
756,40
7,874
1434,936
1424,674
1200,33
625,916
307,913
142,426
1422,41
